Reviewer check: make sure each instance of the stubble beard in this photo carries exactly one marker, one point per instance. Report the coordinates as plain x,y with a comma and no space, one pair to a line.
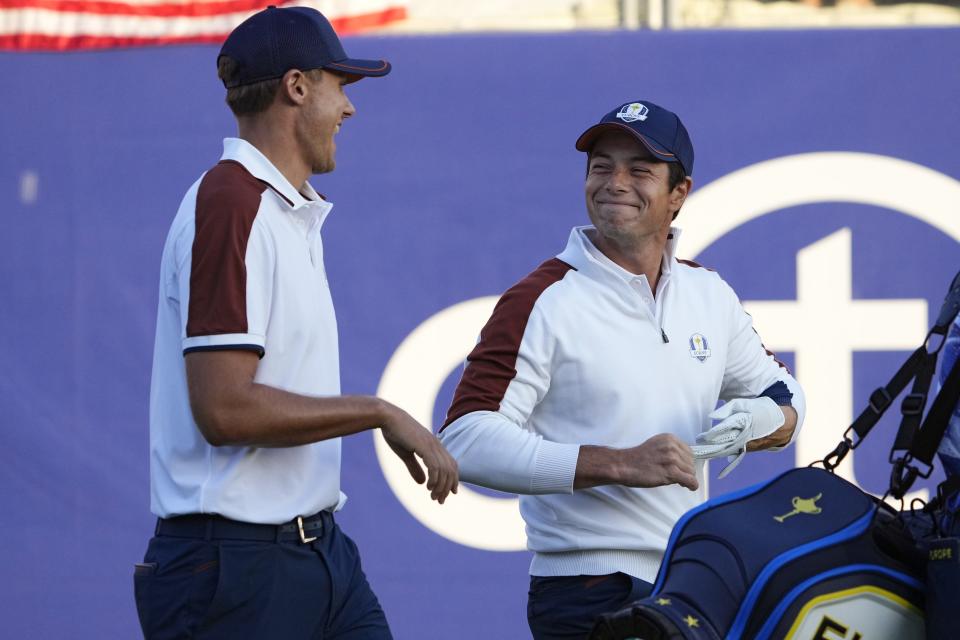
621,236
325,166
324,161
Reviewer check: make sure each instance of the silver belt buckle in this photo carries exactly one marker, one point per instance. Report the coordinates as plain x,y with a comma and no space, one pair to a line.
303,538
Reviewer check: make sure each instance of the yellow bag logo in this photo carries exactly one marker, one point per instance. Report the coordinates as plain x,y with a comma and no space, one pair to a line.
802,505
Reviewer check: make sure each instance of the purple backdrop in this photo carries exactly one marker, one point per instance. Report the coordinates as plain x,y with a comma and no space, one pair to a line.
456,177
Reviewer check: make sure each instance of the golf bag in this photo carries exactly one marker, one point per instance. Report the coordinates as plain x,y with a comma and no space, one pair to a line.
809,555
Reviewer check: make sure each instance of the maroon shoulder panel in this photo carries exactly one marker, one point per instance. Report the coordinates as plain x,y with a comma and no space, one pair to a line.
227,203
492,363
691,263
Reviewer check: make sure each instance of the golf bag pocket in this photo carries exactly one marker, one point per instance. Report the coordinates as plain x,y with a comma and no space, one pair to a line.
937,533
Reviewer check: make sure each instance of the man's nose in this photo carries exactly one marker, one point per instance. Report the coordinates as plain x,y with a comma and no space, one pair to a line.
349,109
617,180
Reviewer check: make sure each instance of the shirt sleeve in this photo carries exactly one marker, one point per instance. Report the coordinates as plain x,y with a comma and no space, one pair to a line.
493,452
506,377
751,369
227,284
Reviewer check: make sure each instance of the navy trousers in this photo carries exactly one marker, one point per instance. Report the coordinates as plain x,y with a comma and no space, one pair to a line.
565,607
217,587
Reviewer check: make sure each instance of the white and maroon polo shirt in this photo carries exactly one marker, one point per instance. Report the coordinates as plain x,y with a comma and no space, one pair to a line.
242,268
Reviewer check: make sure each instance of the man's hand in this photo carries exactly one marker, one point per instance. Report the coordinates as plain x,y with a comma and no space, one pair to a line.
661,460
409,439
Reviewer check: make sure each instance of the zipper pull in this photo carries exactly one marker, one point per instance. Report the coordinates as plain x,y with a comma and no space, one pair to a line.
663,334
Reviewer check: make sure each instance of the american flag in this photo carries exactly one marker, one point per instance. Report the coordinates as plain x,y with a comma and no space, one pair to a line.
61,25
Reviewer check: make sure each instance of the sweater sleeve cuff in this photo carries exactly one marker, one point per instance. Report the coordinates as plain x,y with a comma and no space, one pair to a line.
554,468
779,393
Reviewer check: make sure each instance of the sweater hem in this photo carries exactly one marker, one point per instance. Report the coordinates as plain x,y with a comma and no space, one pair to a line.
642,564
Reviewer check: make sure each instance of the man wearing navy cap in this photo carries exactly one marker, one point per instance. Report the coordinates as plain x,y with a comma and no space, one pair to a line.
597,374
245,407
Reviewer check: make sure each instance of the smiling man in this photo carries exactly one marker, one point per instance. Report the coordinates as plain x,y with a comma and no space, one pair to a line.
597,372
246,414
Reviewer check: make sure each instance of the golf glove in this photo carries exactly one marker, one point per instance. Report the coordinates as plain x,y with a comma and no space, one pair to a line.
741,420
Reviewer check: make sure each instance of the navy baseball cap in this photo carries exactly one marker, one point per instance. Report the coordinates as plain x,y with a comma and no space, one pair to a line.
269,43
660,131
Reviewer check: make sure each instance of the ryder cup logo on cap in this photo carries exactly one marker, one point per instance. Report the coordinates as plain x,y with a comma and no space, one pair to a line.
269,43
633,112
656,128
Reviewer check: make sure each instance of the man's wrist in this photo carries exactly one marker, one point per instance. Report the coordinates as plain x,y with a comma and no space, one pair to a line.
782,436
616,466
785,433
383,412
598,466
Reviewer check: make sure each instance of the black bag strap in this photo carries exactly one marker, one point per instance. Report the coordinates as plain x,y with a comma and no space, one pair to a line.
927,441
923,445
920,366
913,404
935,425
923,369
882,397
880,401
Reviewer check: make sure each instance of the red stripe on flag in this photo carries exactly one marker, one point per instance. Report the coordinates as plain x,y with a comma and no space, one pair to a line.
363,22
69,42
47,42
157,10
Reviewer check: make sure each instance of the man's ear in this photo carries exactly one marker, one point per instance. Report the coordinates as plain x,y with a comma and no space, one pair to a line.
293,86
679,195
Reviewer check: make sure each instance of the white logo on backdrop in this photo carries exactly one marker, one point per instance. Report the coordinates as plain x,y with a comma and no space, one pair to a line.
823,327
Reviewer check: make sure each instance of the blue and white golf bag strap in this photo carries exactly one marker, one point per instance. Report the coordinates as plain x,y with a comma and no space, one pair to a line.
796,557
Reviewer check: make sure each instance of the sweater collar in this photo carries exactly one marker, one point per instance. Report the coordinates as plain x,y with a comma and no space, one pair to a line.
581,254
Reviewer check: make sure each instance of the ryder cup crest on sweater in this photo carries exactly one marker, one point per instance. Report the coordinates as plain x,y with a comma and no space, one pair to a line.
699,348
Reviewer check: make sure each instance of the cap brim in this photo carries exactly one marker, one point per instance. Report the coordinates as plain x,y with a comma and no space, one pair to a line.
587,139
361,68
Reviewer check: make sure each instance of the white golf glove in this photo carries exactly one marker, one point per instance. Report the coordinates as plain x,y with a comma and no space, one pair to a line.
741,420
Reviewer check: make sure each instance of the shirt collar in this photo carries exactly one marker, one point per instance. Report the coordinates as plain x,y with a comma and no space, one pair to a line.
302,201
584,256
602,259
670,251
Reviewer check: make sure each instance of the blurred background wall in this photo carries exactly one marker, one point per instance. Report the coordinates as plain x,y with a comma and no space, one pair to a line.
827,192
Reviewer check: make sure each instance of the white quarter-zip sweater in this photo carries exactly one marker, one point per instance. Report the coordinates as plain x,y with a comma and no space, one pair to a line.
581,352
